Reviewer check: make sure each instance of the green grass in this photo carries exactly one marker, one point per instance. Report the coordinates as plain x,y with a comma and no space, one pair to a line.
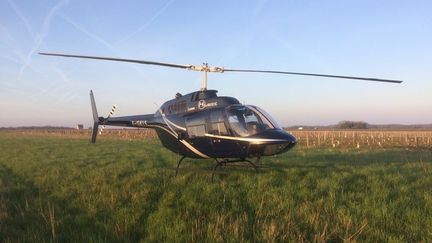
64,189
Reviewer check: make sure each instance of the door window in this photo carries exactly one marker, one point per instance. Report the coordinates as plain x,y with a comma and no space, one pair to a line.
217,123
195,126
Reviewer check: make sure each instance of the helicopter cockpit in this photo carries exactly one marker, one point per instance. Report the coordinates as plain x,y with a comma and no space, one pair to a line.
248,120
235,120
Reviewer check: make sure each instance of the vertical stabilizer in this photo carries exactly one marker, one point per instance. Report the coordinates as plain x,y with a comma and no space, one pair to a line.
95,118
93,104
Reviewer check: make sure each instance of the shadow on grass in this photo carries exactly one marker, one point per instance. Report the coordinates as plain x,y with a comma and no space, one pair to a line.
303,159
35,216
328,159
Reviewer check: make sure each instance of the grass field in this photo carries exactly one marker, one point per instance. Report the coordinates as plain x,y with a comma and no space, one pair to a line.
55,188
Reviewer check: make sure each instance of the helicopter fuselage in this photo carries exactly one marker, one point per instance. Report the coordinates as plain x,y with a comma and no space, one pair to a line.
204,125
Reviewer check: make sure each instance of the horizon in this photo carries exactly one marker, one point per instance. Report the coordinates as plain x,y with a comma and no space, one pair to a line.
291,126
386,39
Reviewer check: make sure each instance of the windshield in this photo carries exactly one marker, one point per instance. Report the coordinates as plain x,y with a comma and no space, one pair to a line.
265,116
247,120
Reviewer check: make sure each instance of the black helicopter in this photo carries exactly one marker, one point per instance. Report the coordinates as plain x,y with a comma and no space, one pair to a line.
202,124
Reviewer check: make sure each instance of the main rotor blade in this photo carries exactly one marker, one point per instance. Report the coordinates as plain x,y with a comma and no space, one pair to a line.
313,74
120,60
205,68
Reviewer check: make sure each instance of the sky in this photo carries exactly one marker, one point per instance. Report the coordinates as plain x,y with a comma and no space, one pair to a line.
382,39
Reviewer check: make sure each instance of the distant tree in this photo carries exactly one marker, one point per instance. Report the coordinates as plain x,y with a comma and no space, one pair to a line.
353,125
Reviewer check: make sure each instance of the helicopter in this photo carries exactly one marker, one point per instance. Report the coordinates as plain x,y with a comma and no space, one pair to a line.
202,124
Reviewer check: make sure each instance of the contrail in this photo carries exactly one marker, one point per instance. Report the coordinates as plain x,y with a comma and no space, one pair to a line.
148,23
5,36
309,56
93,36
100,40
16,56
21,16
54,87
62,75
41,35
71,94
7,39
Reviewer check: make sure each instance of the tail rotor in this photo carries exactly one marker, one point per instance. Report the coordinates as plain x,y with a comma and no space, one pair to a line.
113,109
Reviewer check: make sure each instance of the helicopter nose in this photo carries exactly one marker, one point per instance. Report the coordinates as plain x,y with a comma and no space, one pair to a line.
278,135
279,141
288,141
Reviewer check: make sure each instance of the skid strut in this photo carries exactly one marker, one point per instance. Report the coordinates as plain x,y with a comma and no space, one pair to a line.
178,164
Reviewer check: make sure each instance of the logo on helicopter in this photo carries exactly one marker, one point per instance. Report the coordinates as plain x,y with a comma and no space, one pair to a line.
203,104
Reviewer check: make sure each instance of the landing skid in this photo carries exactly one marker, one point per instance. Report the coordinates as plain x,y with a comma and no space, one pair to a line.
224,162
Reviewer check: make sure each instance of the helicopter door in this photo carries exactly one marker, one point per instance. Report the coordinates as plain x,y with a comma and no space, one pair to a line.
196,128
222,147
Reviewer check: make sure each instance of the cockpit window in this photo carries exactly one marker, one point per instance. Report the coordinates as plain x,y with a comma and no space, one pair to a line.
265,116
246,120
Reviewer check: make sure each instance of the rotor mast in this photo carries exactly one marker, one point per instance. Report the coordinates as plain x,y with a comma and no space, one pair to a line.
205,69
204,85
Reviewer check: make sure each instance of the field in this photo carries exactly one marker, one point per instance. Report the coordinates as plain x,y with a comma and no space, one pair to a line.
56,186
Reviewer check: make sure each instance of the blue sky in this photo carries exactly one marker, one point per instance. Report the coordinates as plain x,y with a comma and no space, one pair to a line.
384,39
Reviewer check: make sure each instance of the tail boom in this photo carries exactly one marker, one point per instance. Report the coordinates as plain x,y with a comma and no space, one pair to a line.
125,121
